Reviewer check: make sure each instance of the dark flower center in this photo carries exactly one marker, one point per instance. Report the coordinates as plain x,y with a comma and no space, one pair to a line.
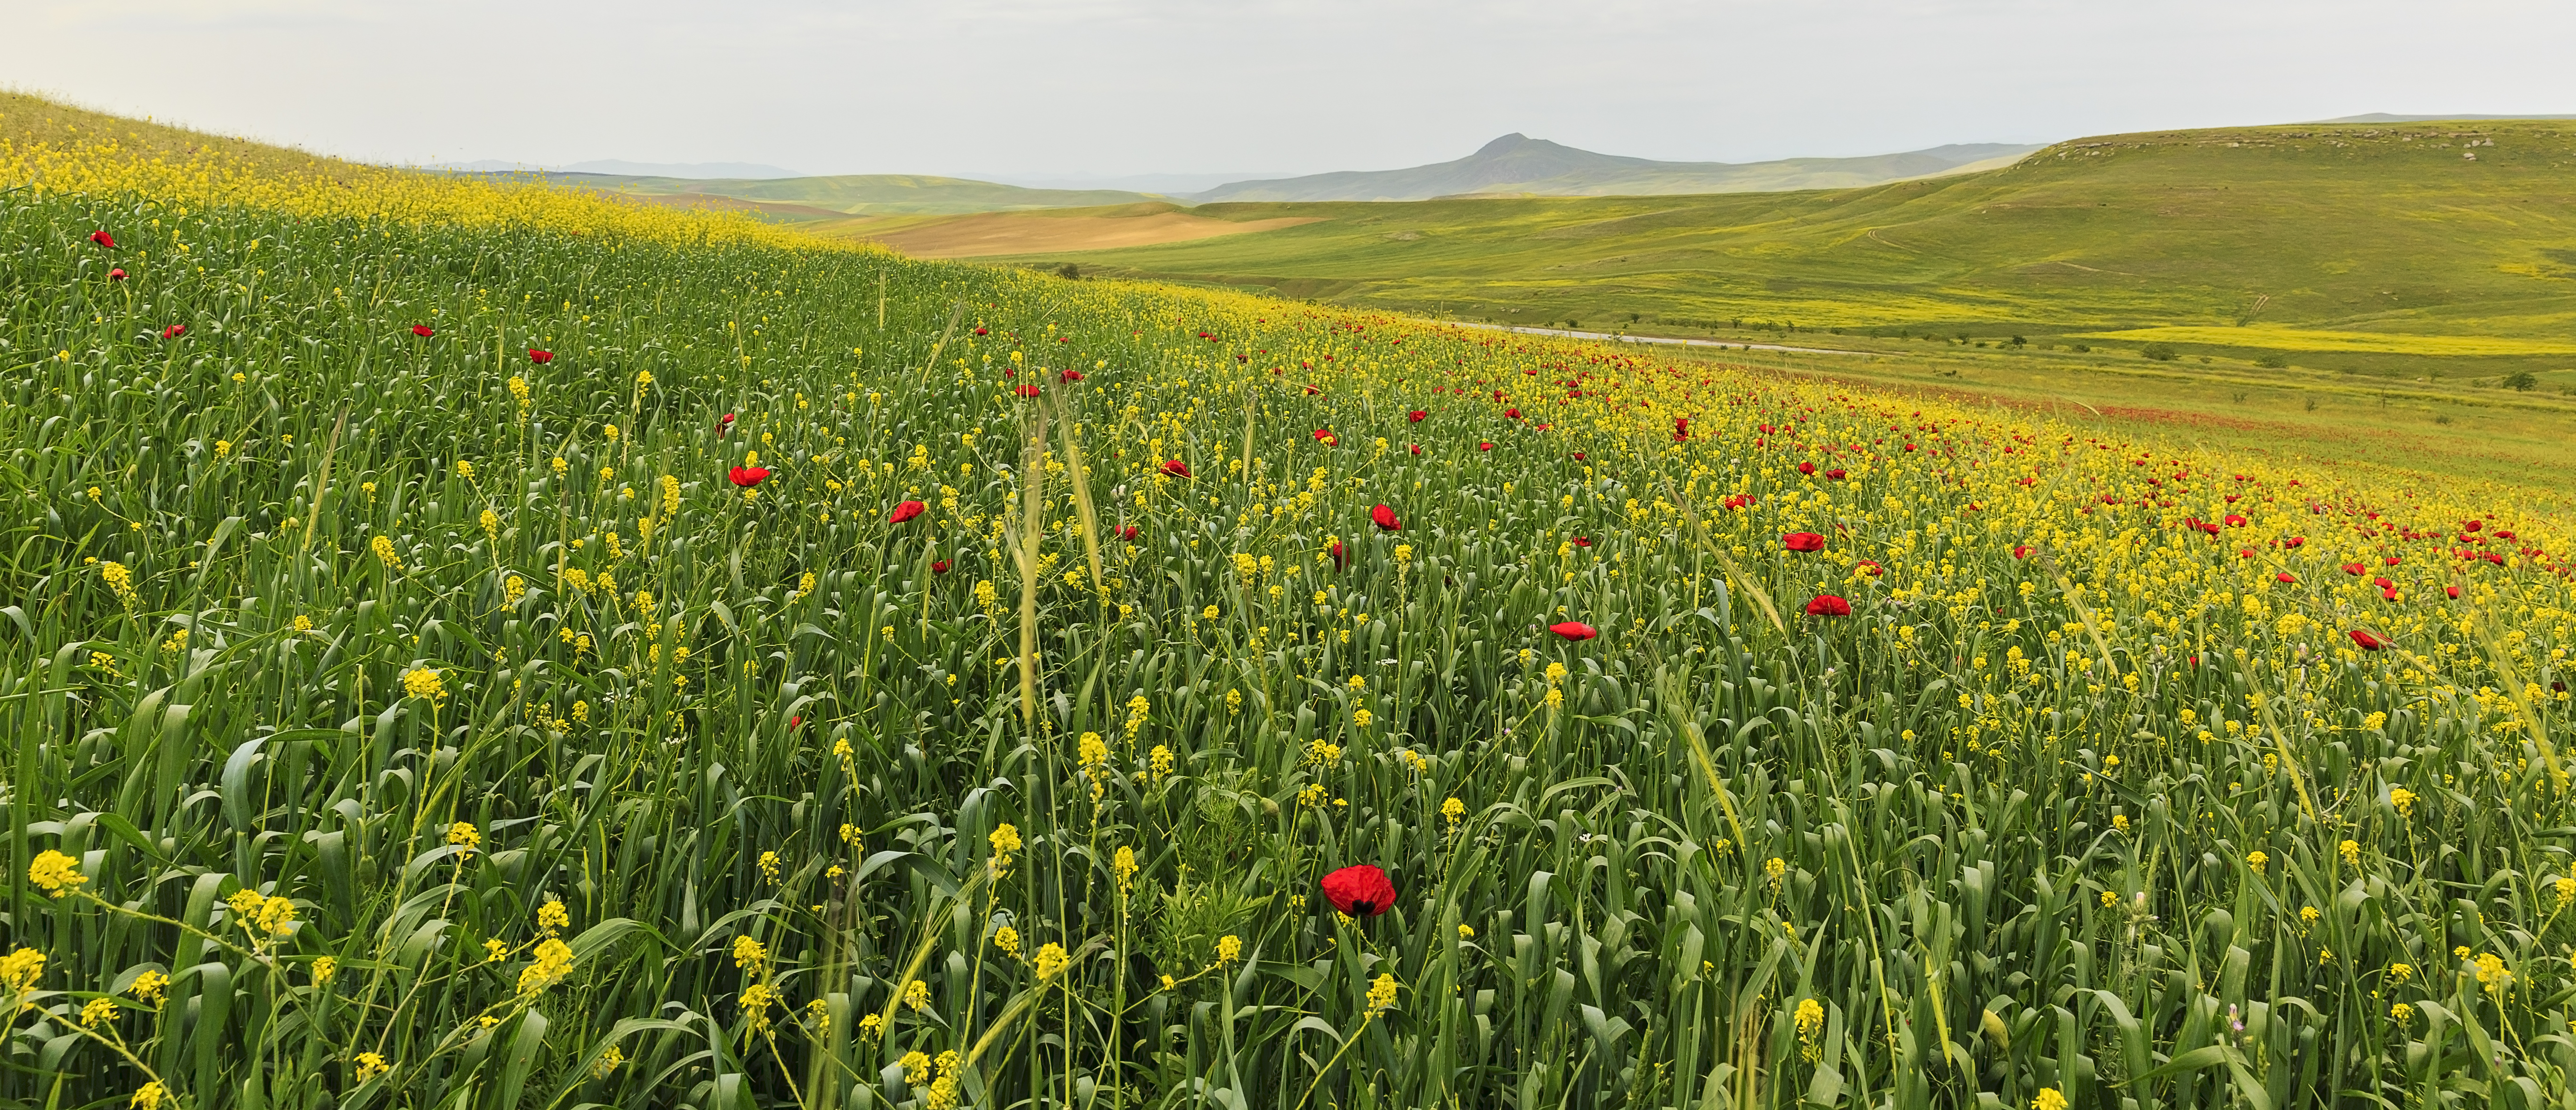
1363,906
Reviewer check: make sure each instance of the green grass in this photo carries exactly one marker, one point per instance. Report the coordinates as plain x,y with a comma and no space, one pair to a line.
324,639
2416,435
869,194
2376,229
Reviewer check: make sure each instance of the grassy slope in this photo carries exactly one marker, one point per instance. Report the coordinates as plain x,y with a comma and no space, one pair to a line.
1724,824
2290,415
27,120
2366,228
871,194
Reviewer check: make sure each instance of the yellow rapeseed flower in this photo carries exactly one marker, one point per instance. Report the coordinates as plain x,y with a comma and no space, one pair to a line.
55,873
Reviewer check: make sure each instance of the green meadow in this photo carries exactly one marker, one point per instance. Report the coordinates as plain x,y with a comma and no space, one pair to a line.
2442,253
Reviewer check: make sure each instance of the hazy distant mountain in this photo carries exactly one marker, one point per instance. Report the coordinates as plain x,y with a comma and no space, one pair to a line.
1519,164
682,169
736,170
2383,117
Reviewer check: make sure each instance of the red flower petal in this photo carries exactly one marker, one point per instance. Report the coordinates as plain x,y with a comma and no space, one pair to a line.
1361,890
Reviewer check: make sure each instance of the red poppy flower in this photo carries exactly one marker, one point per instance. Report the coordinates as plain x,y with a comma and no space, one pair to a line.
2393,560
2450,591
1871,568
981,331
748,476
1341,558
2365,641
1681,427
1484,446
2235,521
1416,416
1836,474
2388,593
2354,569
1311,391
1806,468
102,238
1574,630
423,330
2294,541
540,357
1325,436
1128,533
1385,518
117,274
1803,541
724,424
1176,468
1578,456
794,721
1511,414
1069,376
2286,578
174,331
939,567
1027,391
905,511
1828,605
1582,541
1360,890
1416,448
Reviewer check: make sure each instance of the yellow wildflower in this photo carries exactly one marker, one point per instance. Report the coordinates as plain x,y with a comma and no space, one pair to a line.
55,873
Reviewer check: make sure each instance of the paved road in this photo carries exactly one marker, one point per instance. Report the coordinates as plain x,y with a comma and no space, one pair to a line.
1608,337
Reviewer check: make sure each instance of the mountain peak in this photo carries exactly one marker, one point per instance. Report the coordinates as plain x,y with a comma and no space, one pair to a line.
1500,145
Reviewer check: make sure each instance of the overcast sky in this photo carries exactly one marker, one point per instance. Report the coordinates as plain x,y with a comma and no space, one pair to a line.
1115,87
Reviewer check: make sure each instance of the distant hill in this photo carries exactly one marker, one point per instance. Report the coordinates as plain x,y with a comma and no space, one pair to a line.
692,170
2372,246
2383,117
860,194
1519,165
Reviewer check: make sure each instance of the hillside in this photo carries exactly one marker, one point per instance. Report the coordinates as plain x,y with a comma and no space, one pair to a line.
1516,163
2454,241
496,648
860,194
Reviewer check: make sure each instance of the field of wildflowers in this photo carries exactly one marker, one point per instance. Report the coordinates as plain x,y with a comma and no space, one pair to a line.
476,648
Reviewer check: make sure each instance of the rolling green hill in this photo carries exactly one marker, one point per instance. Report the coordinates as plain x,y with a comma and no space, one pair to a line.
2334,239
863,194
1516,164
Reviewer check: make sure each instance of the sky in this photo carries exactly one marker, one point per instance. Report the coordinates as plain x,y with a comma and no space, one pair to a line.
1076,90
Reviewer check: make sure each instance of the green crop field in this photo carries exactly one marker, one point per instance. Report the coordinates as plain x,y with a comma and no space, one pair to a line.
2388,249
468,647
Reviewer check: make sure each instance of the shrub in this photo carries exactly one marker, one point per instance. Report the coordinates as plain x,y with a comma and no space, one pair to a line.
2161,352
